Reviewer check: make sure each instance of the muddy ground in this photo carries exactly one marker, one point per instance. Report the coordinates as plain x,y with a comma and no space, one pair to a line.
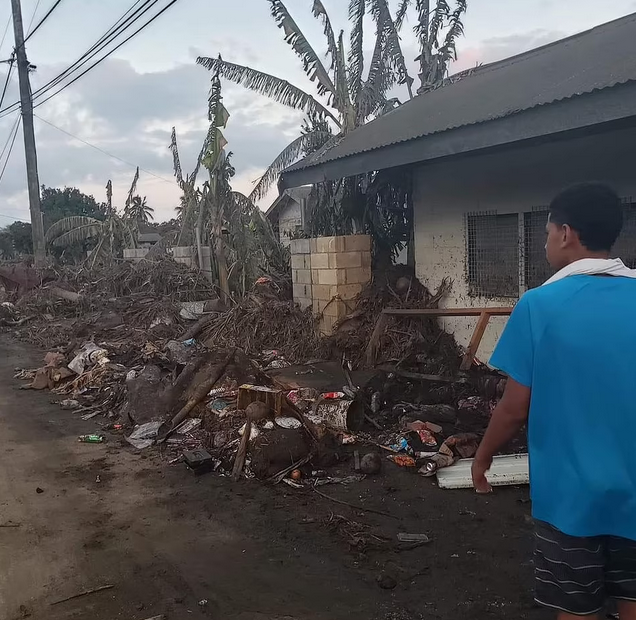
167,541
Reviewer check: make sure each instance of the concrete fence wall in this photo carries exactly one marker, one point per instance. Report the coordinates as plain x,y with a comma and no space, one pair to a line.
181,254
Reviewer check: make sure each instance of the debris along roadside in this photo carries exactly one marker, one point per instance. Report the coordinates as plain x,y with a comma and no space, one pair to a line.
150,354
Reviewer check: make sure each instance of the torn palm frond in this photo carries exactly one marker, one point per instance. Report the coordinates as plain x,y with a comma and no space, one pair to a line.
271,86
312,64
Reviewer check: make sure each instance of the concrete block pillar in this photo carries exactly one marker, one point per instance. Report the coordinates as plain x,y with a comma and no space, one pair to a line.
340,268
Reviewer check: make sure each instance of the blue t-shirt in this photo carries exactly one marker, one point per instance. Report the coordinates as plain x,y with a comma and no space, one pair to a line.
573,343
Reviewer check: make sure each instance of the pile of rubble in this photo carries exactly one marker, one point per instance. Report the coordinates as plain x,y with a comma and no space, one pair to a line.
150,353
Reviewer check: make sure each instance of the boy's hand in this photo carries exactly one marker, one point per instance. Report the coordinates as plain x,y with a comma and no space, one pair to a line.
479,469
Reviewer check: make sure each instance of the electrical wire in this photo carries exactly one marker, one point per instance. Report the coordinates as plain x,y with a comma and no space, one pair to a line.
35,10
122,24
6,29
97,148
108,37
6,82
6,161
6,144
14,218
55,5
134,34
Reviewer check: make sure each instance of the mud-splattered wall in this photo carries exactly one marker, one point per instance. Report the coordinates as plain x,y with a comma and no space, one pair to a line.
518,181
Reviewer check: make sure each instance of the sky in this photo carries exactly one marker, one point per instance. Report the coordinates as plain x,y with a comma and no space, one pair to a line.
128,105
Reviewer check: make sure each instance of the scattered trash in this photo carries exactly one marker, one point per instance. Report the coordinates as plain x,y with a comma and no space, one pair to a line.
296,474
145,435
39,490
89,355
454,448
421,538
402,460
69,403
203,602
91,439
338,414
188,425
98,479
284,422
88,416
199,461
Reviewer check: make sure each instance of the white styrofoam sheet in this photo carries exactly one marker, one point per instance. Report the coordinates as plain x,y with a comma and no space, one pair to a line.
506,470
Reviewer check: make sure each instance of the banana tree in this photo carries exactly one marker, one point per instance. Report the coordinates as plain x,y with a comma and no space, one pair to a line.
436,52
108,236
351,99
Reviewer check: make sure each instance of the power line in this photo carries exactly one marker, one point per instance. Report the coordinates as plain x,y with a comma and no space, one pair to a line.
134,34
122,24
6,144
35,10
97,148
118,28
13,217
6,29
6,161
55,5
6,82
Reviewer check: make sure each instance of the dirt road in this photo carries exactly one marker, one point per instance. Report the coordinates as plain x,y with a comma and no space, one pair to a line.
167,542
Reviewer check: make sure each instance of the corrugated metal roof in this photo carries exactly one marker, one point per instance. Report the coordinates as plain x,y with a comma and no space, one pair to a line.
593,60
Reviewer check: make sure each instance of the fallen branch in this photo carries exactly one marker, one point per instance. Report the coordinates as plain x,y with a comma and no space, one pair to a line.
354,506
276,478
199,395
85,593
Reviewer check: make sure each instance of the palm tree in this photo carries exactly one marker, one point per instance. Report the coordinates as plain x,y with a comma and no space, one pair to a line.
435,53
351,99
139,210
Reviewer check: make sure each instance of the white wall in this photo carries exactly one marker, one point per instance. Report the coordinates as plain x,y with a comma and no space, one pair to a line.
516,181
289,219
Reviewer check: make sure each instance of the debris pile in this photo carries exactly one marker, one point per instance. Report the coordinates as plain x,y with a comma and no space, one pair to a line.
151,349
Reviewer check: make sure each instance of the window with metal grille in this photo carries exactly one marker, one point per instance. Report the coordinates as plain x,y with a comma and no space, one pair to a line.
493,254
625,247
536,267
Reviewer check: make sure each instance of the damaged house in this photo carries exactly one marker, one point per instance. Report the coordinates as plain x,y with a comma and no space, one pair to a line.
488,151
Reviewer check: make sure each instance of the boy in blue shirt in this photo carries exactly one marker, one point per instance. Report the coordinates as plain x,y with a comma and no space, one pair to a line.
568,350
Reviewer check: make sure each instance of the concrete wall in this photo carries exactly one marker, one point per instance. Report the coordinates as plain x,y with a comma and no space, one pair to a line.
516,181
181,254
328,273
290,219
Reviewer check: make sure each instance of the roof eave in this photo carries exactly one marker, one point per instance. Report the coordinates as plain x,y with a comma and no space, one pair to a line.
582,112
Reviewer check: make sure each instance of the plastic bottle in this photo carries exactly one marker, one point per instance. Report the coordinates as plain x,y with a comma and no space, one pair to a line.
90,438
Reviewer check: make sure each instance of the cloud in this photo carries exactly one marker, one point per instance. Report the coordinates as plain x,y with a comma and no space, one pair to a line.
130,114
497,48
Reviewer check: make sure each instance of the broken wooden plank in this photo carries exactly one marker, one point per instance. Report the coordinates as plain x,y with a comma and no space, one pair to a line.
433,312
371,352
475,340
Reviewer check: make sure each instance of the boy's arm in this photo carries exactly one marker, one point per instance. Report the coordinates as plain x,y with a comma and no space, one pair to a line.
514,356
507,419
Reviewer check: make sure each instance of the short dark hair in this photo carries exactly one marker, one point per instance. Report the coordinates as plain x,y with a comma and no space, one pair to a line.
593,210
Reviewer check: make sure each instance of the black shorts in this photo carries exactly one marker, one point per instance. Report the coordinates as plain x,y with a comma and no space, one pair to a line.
578,575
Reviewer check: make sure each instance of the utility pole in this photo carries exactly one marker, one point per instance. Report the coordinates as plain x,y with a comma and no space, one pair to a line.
26,104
